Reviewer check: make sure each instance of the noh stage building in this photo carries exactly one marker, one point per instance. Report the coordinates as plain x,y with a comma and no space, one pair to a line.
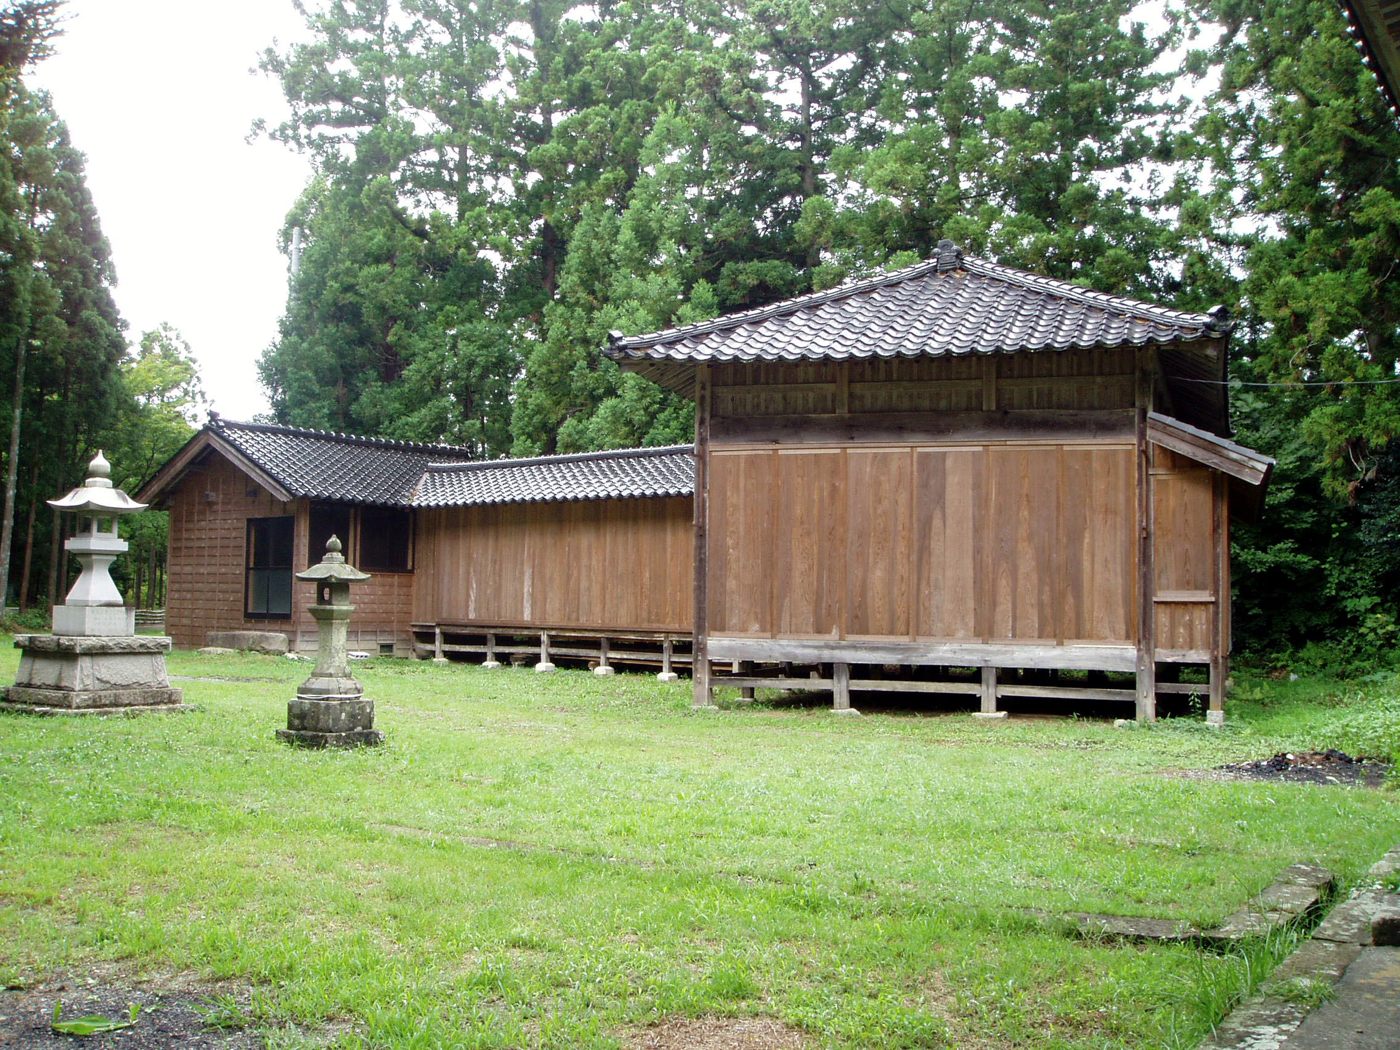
959,465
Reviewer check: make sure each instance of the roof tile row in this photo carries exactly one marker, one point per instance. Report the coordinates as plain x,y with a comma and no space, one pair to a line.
323,465
951,305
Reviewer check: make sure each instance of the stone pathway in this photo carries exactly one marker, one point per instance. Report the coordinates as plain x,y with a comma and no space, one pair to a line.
1298,892
1351,965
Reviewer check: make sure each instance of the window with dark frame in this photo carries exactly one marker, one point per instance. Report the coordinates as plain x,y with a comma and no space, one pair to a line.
386,539
269,587
326,520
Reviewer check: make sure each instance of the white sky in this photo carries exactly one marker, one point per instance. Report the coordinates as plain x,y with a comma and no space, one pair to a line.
158,95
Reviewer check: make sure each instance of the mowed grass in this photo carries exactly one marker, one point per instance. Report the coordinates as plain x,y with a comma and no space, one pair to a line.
563,860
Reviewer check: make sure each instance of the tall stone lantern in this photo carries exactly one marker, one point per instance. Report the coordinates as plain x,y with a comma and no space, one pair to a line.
94,662
330,709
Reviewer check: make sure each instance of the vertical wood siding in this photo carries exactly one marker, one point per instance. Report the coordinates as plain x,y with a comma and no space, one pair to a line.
596,564
1029,542
1188,574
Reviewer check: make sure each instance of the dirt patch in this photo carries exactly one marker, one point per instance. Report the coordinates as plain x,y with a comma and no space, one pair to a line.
716,1033
1311,767
172,1015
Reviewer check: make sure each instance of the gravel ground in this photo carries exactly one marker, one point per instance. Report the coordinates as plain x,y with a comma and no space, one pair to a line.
170,1015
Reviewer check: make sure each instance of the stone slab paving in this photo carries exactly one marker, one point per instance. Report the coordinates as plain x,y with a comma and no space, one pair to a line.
1350,921
1132,928
1365,1015
1298,891
1344,956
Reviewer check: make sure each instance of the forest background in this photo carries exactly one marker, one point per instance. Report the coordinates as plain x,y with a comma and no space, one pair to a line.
500,183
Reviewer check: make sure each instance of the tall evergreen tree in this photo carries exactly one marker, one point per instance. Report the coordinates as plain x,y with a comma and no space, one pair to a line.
60,334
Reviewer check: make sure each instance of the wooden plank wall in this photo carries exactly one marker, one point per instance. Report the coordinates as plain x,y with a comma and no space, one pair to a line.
598,564
946,500
209,511
1018,541
1188,574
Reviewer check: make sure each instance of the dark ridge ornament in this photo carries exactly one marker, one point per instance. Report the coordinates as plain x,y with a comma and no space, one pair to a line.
330,708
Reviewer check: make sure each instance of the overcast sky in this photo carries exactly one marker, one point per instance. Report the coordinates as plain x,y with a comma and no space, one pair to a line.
159,96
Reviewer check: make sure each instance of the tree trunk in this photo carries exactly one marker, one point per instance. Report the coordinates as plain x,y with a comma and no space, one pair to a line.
28,547
7,527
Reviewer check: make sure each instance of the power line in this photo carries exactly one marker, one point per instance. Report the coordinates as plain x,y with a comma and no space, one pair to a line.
1293,385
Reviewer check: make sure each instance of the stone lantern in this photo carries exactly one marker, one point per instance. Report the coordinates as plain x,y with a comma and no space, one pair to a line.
330,709
94,662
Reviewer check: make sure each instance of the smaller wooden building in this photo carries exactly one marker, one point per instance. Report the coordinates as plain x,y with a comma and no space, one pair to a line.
465,557
959,465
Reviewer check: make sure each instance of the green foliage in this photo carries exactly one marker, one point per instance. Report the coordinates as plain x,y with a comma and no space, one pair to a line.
92,1024
630,167
60,334
1366,727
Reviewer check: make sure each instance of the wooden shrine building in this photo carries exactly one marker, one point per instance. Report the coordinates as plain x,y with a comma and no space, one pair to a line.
956,478
959,465
497,558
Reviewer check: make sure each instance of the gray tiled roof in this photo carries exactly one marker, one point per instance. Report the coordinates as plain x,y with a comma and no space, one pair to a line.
321,464
949,305
633,472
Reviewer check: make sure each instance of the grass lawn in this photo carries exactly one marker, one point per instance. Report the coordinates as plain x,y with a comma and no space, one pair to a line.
564,860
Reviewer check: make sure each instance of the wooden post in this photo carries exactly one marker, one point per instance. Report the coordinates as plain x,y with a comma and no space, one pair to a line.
988,695
1147,613
604,668
438,658
666,674
700,647
544,666
841,689
490,663
1220,640
745,691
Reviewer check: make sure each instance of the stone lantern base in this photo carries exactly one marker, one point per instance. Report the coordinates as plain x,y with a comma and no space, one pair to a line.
330,712
75,675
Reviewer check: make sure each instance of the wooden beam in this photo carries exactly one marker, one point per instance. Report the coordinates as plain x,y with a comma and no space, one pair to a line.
604,668
666,674
766,682
988,691
544,666
1068,692
1116,657
1220,640
898,685
700,648
1209,449
490,663
1147,612
914,427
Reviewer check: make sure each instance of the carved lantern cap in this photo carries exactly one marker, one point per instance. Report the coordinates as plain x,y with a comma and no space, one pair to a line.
333,567
96,495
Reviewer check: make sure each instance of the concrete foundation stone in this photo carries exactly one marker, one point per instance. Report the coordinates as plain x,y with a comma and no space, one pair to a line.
273,643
